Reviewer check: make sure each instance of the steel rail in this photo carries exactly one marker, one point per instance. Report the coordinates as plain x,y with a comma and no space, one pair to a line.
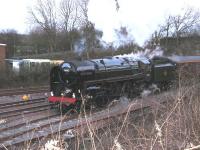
20,91
13,113
21,103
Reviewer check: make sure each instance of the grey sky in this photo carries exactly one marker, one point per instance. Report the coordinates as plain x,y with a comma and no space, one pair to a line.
140,16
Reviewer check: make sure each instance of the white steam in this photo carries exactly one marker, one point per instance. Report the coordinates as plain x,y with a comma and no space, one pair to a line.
147,53
152,89
2,121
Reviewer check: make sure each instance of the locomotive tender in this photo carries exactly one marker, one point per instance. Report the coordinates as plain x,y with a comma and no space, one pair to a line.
99,81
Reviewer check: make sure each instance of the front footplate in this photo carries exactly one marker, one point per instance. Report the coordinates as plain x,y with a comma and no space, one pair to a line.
55,99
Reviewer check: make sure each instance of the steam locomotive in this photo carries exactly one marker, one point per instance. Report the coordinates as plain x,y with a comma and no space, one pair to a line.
99,81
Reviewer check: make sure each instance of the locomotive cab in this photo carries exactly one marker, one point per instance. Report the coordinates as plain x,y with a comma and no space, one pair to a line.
163,71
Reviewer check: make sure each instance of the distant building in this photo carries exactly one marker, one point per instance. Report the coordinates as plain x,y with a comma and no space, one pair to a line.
18,65
2,55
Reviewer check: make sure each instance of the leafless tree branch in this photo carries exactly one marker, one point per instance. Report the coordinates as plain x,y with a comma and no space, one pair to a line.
44,15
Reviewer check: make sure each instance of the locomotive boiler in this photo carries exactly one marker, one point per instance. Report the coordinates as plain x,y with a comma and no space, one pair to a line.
99,81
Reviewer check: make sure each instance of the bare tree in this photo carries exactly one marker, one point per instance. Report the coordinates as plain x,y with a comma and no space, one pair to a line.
123,36
180,25
12,39
71,18
92,36
70,14
38,40
84,11
86,24
183,24
117,5
165,29
44,15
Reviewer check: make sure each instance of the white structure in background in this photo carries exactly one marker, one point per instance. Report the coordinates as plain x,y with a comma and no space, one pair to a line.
32,62
16,64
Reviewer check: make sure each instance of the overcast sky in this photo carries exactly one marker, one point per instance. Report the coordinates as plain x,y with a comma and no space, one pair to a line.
140,16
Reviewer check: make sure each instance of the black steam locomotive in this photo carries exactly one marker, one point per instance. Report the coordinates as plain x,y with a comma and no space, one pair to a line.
99,81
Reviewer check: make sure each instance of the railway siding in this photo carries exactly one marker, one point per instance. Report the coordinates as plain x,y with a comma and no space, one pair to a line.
23,121
22,111
19,91
5,100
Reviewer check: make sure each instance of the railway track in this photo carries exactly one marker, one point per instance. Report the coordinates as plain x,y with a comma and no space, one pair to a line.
19,91
20,103
45,126
30,118
13,106
19,107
